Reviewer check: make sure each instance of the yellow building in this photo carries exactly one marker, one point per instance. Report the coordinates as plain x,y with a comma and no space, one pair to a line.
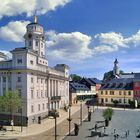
117,90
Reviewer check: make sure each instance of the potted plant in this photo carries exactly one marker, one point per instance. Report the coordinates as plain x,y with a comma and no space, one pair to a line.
107,114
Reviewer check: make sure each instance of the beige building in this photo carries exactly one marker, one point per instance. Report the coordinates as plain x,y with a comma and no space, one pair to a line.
120,90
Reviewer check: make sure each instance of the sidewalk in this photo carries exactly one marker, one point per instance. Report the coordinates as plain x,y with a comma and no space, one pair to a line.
36,129
117,108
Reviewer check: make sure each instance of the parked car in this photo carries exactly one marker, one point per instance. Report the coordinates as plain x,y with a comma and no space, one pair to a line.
90,102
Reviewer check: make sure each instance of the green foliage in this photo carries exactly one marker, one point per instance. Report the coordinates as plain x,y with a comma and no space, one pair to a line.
108,113
10,101
115,102
131,103
75,78
109,75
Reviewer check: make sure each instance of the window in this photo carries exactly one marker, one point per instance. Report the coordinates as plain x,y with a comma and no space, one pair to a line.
32,80
124,100
120,100
32,94
41,93
101,92
37,94
41,80
18,79
19,61
31,62
9,79
106,100
36,43
19,92
38,107
124,92
129,92
111,92
41,45
43,106
111,100
42,53
120,93
106,92
4,90
37,80
30,43
46,93
4,79
32,108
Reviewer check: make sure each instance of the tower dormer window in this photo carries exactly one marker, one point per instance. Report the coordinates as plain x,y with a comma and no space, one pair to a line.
30,43
36,43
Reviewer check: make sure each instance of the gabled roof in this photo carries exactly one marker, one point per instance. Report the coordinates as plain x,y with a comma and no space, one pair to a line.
95,80
118,84
91,81
77,86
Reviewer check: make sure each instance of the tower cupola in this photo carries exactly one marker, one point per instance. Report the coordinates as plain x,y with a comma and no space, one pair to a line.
35,38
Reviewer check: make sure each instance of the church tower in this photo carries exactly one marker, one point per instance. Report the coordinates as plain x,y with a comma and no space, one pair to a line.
116,70
35,38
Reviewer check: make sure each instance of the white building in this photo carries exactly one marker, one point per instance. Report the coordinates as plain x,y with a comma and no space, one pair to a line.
42,88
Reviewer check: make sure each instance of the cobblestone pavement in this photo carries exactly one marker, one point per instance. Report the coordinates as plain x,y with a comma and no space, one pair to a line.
85,129
62,128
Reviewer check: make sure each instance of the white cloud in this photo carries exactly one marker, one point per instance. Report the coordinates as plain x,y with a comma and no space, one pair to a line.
134,39
17,7
7,53
13,31
111,38
104,49
71,46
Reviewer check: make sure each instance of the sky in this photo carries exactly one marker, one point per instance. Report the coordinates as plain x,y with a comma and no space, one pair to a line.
87,35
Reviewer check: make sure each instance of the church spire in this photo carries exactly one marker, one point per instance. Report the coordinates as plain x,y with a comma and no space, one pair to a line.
116,70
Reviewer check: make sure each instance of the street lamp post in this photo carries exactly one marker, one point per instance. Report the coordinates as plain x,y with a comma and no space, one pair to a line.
55,115
55,128
124,101
21,120
81,112
69,119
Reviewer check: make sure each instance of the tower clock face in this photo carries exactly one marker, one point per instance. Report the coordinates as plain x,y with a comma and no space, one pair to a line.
29,35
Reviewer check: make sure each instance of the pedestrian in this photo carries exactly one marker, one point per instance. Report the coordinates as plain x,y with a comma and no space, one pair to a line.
115,137
127,132
104,129
95,127
89,116
76,129
114,131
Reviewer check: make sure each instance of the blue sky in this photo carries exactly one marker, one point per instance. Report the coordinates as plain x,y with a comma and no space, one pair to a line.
85,34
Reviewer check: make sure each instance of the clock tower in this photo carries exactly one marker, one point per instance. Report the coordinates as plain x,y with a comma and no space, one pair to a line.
35,39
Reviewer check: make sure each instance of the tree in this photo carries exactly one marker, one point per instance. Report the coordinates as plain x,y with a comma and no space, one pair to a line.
107,114
109,75
115,102
11,101
131,103
75,78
